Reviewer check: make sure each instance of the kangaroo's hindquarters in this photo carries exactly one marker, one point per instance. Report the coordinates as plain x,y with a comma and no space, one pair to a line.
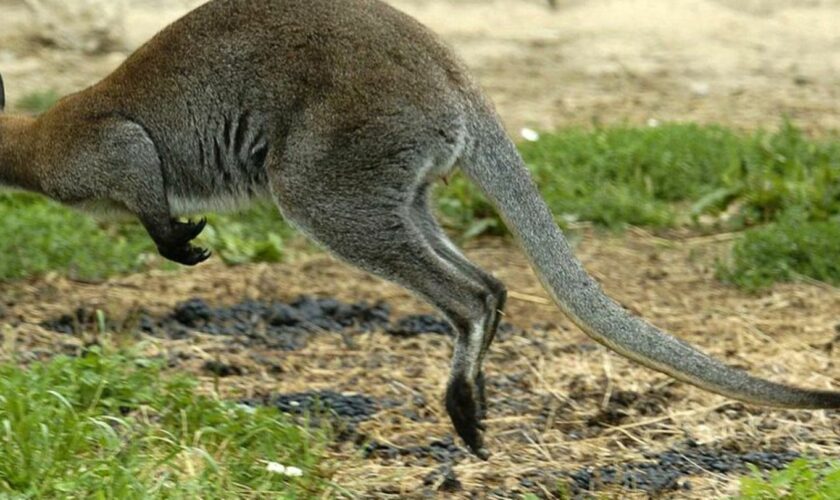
366,201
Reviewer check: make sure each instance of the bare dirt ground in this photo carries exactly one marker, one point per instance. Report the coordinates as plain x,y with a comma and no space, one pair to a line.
559,402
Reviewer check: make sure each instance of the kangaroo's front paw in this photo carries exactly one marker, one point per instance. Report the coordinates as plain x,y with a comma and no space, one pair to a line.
462,403
175,244
185,232
187,255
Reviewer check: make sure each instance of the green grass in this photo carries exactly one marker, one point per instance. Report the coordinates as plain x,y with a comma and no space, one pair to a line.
112,426
661,177
784,251
801,480
668,175
254,235
38,236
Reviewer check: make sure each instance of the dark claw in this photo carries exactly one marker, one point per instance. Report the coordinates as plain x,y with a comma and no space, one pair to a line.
177,248
187,255
184,232
463,409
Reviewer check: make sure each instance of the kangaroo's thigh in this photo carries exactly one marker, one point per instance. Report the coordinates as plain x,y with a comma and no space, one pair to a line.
358,205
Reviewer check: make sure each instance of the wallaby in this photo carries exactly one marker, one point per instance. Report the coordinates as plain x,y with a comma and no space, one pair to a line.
344,112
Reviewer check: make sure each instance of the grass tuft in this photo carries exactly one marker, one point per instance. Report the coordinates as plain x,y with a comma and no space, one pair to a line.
111,426
802,479
784,252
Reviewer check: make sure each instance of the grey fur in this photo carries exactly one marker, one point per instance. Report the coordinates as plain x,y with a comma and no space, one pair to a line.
344,112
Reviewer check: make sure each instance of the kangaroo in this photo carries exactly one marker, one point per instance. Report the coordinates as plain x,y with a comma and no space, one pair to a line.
345,113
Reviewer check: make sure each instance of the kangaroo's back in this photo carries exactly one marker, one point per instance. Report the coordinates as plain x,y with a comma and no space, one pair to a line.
215,89
280,56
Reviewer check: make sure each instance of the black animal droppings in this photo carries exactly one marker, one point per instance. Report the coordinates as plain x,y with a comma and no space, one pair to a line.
72,324
420,324
442,451
284,315
664,472
352,407
276,325
146,324
192,313
223,369
64,324
285,326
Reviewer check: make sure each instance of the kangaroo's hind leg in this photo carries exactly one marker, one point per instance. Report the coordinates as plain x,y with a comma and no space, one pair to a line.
365,218
425,221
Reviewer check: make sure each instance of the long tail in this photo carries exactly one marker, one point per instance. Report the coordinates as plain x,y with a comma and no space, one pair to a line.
495,166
